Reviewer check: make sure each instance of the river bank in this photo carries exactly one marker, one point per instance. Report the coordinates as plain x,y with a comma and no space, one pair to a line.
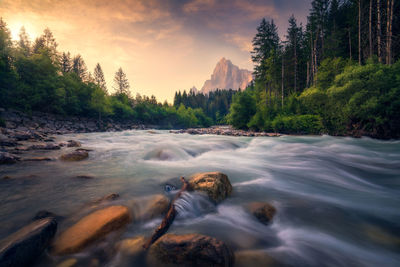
224,130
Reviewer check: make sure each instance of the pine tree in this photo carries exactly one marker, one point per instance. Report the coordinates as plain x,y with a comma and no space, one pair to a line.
293,48
264,43
79,67
99,78
24,43
49,41
121,84
65,62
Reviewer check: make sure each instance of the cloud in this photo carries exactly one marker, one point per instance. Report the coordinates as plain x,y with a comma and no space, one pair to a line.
243,42
256,11
198,5
177,41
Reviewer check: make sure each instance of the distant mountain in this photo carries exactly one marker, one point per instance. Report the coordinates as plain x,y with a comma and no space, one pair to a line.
193,90
227,76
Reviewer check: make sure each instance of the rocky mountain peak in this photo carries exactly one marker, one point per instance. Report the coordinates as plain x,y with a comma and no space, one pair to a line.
226,75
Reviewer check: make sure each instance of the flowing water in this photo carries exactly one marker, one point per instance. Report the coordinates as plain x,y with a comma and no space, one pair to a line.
337,199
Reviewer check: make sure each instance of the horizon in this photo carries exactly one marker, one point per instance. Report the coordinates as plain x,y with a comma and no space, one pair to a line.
148,37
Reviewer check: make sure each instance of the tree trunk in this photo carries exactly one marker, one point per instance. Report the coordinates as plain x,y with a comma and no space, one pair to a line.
283,74
266,93
308,74
378,34
370,28
315,60
387,30
295,64
311,60
270,95
359,32
391,33
350,43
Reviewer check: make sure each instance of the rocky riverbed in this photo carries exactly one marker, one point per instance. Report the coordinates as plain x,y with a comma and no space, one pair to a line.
94,199
224,130
105,219
36,132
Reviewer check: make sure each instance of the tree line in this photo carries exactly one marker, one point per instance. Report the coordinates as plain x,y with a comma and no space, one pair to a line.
35,76
334,75
215,104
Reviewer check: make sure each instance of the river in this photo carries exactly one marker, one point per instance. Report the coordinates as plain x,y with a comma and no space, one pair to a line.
337,199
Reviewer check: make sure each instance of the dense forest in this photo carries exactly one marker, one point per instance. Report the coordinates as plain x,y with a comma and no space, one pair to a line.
35,76
215,104
340,74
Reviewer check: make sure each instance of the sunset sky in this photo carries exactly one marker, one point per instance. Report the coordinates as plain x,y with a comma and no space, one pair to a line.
162,45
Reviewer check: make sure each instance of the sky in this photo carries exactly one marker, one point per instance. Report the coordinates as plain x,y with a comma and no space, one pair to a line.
162,45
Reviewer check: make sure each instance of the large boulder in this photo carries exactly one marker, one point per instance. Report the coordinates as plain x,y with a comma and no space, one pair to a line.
215,184
263,211
189,250
7,158
91,228
75,156
26,245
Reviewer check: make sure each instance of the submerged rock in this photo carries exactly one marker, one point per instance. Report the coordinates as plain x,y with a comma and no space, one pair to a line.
85,176
75,156
73,143
132,248
44,214
110,197
91,228
263,211
37,159
215,184
254,258
26,245
7,158
189,250
156,206
68,263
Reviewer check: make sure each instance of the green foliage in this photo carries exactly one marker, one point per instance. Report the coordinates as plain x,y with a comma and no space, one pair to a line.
215,104
38,78
310,124
359,100
242,109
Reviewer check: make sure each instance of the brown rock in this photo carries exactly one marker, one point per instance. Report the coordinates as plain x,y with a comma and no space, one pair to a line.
44,146
91,228
263,211
37,159
215,184
68,263
110,197
132,249
73,143
7,158
189,250
85,176
146,210
75,156
26,245
253,258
